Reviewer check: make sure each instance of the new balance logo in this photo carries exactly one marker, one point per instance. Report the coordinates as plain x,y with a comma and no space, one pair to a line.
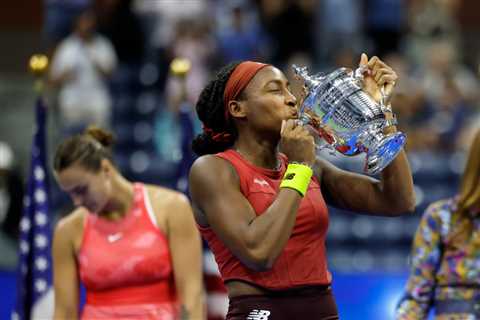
261,182
258,315
289,176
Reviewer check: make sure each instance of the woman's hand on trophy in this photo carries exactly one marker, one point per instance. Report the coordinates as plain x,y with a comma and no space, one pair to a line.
297,143
379,79
314,120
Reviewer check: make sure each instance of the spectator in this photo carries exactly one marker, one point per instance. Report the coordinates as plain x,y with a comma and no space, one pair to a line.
446,254
80,68
242,38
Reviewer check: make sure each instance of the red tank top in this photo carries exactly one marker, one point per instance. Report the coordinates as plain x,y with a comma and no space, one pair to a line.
126,265
302,261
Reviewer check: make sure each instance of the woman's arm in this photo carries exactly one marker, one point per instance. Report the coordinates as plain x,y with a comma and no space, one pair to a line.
65,279
255,240
425,260
393,194
186,252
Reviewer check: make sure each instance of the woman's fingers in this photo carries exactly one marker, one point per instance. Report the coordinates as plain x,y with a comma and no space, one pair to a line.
385,75
363,60
387,79
381,72
372,63
291,128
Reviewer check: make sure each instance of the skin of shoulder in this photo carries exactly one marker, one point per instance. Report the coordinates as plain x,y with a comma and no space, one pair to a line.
159,191
167,203
209,177
210,170
70,227
166,198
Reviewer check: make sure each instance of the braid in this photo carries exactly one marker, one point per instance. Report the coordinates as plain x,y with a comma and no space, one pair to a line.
211,111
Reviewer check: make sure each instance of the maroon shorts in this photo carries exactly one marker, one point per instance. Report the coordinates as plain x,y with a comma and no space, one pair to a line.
313,303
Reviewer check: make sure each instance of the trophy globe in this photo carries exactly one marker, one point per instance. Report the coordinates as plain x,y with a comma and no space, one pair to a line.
347,118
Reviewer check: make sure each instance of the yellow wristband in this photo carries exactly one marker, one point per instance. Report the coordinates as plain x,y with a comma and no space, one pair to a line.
297,177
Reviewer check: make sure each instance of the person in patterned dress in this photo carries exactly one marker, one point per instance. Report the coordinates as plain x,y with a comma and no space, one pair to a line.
445,271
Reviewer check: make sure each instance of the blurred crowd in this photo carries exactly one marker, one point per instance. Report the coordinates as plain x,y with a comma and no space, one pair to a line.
110,66
97,44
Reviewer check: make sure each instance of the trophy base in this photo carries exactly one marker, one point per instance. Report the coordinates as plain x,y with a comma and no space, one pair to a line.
384,152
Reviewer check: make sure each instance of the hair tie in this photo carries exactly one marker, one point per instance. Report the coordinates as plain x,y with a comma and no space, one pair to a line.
217,136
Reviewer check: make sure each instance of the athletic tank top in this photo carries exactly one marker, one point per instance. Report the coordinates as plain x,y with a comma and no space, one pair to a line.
126,266
302,261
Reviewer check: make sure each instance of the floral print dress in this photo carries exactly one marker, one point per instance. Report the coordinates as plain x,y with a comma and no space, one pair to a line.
441,272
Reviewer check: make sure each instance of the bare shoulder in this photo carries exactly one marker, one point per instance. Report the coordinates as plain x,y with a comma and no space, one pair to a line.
210,166
171,208
165,197
69,229
210,174
72,221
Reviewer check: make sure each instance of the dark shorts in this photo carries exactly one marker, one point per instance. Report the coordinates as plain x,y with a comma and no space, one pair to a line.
313,303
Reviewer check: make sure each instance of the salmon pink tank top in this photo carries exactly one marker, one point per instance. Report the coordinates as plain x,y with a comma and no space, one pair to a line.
126,266
302,261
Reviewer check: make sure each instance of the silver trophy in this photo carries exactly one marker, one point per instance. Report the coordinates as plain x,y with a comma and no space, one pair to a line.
347,118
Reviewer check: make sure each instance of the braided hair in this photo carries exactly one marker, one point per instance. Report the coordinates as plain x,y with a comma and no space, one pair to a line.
211,111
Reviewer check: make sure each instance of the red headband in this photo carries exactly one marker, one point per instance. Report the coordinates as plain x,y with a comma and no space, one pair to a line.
238,80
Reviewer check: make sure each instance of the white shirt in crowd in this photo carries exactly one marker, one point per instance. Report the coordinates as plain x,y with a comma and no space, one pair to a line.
84,96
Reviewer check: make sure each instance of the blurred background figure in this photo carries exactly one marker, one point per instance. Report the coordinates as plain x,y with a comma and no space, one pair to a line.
193,41
385,24
432,45
81,64
57,21
239,33
287,39
11,192
339,29
117,22
444,272
177,124
134,246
